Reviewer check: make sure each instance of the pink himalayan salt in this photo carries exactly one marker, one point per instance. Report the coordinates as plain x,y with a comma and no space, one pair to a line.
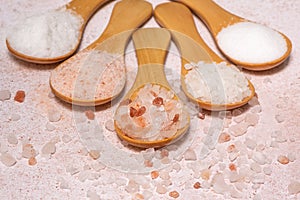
190,154
251,119
283,159
7,159
140,119
28,151
238,129
219,185
90,75
160,189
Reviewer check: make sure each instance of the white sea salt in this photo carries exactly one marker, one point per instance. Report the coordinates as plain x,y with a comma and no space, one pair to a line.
49,148
12,139
7,159
46,35
217,83
251,42
54,115
190,155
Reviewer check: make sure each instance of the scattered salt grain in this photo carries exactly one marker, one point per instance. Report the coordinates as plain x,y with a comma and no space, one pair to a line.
66,138
257,178
109,125
234,177
251,42
253,101
279,118
28,151
255,167
51,34
283,159
54,115
90,114
197,185
205,174
236,194
63,184
165,160
251,119
224,137
12,139
205,83
259,157
7,159
160,189
291,156
190,155
251,144
15,117
236,112
20,96
164,175
294,187
238,129
233,156
154,174
95,154
49,148
92,195
174,194
219,185
267,170
5,95
32,161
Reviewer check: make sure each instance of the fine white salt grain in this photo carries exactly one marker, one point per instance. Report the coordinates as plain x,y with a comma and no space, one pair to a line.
252,43
47,35
217,83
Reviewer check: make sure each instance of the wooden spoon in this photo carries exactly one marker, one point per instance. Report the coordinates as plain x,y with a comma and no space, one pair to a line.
67,79
192,47
151,45
84,9
216,18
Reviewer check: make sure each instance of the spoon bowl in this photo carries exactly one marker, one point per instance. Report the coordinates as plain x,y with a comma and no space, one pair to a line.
216,19
96,74
81,9
192,48
151,93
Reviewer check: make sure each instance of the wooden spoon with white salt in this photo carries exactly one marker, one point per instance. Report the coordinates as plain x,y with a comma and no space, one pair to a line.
193,49
96,74
151,115
33,43
245,43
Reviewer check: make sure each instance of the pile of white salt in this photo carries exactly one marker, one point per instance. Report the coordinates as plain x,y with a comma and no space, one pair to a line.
48,35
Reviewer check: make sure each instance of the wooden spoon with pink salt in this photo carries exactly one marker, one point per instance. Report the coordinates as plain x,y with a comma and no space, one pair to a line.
96,75
151,115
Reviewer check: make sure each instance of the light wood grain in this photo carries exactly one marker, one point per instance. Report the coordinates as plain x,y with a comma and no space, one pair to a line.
191,46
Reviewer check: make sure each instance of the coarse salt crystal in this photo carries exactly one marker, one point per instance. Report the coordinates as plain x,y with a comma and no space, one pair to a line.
238,129
190,155
90,114
49,148
267,170
255,167
50,127
219,185
109,125
224,137
12,139
20,96
279,118
5,95
251,42
252,119
66,138
95,154
259,157
28,151
283,159
7,159
251,144
32,161
160,189
294,187
54,115
174,194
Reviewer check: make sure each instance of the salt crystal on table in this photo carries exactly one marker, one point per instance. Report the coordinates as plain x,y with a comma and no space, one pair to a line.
235,194
92,195
294,187
279,118
164,175
236,112
5,95
132,187
251,144
255,167
267,170
50,127
256,109
28,151
7,159
15,117
253,101
160,189
224,137
258,178
219,185
283,159
109,125
238,129
233,156
234,176
190,155
12,139
54,115
63,184
49,148
66,138
251,119
259,157
292,156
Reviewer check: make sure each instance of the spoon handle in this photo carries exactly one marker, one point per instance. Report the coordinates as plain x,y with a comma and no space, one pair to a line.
213,15
151,46
184,32
85,8
127,15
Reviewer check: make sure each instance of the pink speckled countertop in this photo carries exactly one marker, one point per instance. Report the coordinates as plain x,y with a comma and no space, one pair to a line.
119,172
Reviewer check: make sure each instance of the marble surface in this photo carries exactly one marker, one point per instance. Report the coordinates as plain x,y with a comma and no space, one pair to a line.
123,172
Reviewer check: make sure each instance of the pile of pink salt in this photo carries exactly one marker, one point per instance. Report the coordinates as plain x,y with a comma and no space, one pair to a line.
154,113
90,75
